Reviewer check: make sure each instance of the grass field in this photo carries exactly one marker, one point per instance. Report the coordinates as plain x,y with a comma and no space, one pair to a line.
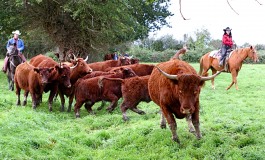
232,126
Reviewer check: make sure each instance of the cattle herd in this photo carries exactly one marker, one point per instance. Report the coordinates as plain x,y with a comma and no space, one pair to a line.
173,85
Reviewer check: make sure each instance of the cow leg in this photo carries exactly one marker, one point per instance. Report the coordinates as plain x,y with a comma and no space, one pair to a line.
163,124
71,98
78,105
51,97
88,107
26,93
124,107
171,122
190,125
34,101
112,106
62,100
102,105
18,90
196,123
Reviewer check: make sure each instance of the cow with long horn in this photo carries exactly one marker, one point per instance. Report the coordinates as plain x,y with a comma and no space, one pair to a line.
175,87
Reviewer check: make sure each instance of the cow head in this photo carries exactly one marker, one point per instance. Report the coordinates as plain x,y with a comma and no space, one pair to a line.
80,67
44,74
63,75
127,72
187,87
124,61
135,60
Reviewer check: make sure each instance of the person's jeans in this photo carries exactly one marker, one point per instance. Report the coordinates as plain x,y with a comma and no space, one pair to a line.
224,50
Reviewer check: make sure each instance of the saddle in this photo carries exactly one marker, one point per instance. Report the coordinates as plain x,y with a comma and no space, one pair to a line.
217,55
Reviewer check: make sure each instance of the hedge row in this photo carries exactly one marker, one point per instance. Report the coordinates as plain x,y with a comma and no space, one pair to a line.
192,56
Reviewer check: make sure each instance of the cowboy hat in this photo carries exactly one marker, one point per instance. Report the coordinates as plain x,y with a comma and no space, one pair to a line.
227,29
16,32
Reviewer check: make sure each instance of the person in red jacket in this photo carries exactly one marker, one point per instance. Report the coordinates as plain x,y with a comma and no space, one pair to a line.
227,44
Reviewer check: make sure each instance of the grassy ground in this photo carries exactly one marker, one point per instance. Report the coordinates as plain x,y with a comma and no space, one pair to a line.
232,125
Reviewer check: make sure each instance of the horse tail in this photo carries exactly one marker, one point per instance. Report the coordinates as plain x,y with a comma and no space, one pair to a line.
201,66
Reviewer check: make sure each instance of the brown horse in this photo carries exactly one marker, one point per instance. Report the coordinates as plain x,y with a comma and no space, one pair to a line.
234,63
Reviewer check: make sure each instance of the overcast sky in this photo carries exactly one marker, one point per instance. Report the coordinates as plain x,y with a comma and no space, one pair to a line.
215,15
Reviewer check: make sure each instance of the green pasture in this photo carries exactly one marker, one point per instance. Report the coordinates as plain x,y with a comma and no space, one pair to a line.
232,126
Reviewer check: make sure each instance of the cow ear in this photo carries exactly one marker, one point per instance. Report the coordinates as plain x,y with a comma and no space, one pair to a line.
202,83
51,69
57,67
36,70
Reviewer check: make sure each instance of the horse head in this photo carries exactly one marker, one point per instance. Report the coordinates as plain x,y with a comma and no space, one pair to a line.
12,50
253,54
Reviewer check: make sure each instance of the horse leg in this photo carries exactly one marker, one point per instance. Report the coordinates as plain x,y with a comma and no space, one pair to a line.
234,80
212,80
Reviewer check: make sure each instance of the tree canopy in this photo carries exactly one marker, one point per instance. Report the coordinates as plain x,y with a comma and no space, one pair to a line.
85,26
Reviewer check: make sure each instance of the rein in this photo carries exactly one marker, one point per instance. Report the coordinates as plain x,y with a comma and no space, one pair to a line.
11,62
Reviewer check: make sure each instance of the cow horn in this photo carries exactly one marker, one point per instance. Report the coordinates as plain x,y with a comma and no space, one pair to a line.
169,76
74,66
86,58
210,77
74,57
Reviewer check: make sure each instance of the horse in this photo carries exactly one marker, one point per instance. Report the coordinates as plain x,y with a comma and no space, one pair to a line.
234,63
13,61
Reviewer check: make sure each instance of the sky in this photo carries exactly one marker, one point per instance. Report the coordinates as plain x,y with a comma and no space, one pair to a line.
248,26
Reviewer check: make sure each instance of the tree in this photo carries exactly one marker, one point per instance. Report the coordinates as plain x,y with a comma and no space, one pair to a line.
91,26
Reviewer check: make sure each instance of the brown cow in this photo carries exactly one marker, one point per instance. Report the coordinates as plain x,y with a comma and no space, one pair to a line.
139,69
176,90
102,66
134,90
109,56
135,60
61,75
79,68
31,79
96,89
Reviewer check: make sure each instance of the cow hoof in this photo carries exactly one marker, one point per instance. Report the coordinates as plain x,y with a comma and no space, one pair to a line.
163,126
77,116
110,109
199,136
142,112
125,119
176,139
62,109
24,103
18,103
192,130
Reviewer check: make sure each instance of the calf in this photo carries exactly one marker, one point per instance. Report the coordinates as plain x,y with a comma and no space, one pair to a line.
31,79
102,66
139,69
96,89
61,75
134,90
79,68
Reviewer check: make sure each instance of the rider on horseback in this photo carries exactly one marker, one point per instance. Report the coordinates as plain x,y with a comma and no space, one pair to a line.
227,44
19,45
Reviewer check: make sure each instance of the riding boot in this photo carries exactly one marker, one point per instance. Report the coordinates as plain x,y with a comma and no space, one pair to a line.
22,57
5,64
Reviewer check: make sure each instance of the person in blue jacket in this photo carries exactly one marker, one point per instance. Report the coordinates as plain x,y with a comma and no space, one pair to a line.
19,45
